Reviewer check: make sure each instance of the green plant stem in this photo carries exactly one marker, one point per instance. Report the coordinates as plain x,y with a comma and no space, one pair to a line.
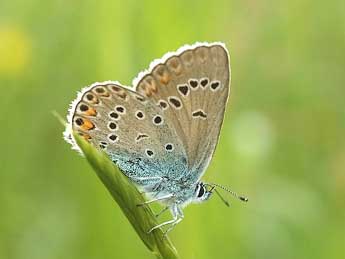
128,197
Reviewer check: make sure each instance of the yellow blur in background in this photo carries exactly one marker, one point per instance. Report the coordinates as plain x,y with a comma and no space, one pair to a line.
282,143
15,51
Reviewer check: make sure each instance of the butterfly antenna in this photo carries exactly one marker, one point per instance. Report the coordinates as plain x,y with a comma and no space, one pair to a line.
241,198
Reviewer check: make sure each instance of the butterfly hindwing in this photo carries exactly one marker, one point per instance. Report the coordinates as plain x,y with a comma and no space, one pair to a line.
131,129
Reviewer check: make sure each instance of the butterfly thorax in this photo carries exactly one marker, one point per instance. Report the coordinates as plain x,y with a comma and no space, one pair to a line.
182,191
177,182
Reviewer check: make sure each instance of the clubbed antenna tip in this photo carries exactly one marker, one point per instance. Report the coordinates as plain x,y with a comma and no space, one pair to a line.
243,198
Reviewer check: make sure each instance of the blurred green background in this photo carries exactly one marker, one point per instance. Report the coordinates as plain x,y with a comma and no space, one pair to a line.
282,143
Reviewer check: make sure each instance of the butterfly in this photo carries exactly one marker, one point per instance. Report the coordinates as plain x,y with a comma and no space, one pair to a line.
162,134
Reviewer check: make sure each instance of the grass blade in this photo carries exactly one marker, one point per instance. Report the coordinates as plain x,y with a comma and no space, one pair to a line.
127,197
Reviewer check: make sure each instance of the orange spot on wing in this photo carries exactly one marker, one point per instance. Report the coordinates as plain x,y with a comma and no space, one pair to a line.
88,125
91,112
165,79
148,91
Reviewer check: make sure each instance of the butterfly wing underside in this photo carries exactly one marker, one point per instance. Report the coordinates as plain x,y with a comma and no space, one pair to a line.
192,87
129,128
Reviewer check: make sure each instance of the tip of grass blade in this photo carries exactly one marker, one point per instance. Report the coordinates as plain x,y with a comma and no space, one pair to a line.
127,197
59,117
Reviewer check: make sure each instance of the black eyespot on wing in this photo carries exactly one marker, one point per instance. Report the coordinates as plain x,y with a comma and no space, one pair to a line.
114,115
89,97
215,85
116,88
149,152
169,147
103,144
113,137
183,89
193,83
112,125
163,104
204,82
79,121
175,102
120,109
83,107
139,115
139,98
199,113
100,90
140,137
157,120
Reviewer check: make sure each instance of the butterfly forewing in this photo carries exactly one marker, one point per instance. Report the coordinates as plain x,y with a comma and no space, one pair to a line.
191,87
131,129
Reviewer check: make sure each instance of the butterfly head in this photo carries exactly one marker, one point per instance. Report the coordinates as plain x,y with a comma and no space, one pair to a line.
201,193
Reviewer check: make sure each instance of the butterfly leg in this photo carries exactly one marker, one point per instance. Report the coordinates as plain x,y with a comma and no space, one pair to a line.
167,197
140,179
146,178
162,211
180,216
163,224
177,217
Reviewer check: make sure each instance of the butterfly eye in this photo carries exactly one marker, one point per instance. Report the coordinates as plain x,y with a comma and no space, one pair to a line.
201,191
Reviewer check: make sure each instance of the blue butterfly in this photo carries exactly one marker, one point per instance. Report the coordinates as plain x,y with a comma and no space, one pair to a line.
163,134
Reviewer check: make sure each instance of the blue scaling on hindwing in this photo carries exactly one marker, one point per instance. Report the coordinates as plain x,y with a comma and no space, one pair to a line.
152,173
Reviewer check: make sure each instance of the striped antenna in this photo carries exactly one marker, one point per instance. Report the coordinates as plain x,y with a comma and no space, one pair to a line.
241,198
